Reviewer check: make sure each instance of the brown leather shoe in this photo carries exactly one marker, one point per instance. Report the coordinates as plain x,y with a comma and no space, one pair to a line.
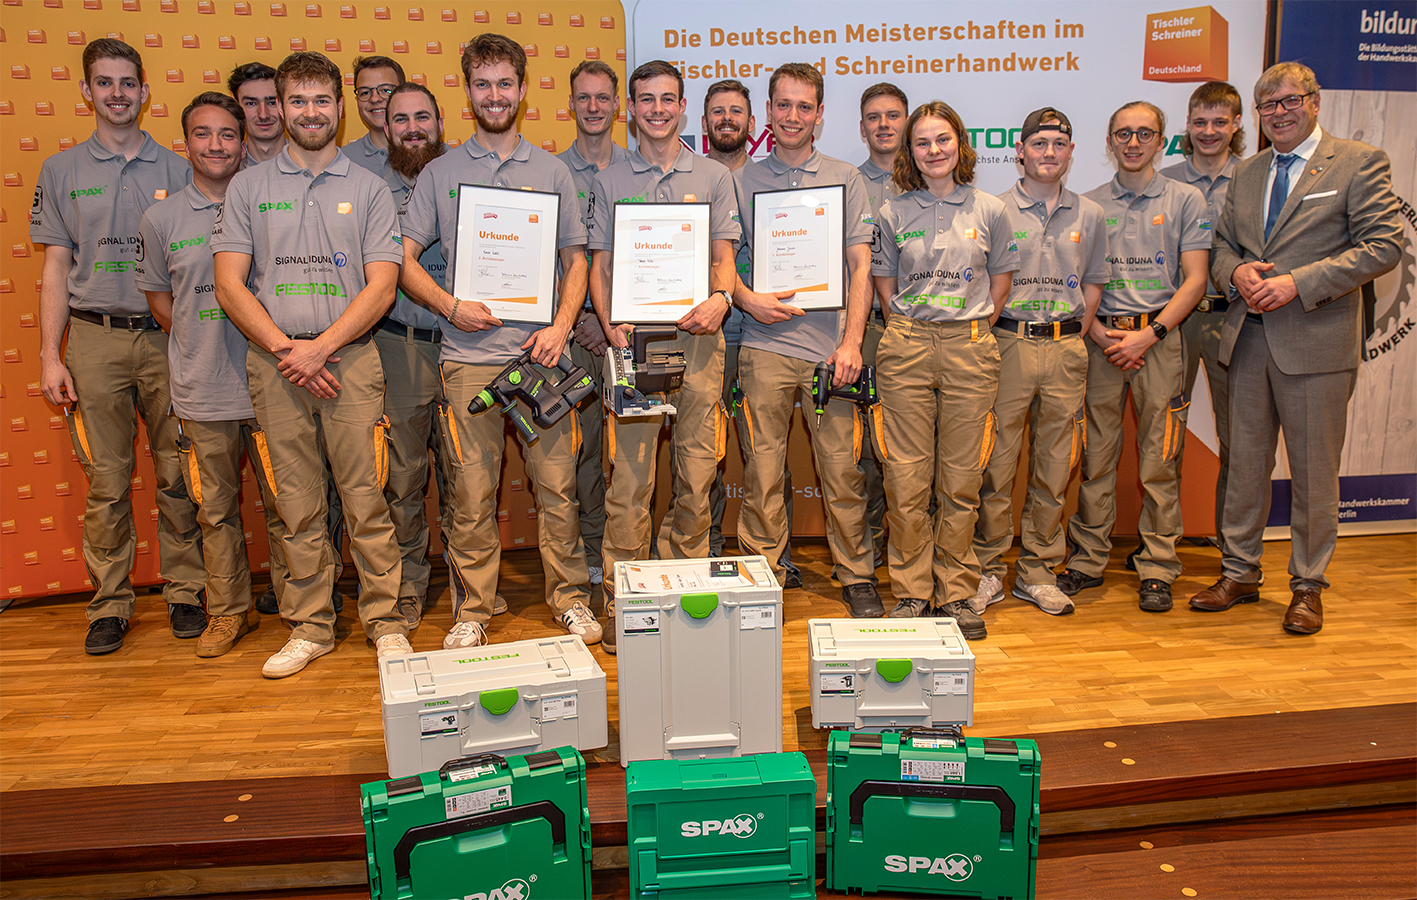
1224,594
1306,613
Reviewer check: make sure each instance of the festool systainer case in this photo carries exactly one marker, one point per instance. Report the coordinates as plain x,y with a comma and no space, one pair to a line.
484,828
700,668
930,811
890,673
518,697
722,828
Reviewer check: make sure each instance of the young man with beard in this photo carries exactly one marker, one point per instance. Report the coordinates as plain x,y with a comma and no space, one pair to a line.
254,87
306,258
661,170
408,339
87,209
375,78
207,359
1158,244
782,345
478,346
595,103
1062,242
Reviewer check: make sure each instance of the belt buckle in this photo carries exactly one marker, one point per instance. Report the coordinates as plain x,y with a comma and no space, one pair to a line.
1125,323
1057,330
1204,305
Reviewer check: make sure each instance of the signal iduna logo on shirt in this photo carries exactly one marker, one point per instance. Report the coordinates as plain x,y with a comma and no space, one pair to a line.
1186,45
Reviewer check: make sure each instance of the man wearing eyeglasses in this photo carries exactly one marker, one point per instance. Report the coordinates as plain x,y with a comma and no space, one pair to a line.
375,78
1158,244
1306,225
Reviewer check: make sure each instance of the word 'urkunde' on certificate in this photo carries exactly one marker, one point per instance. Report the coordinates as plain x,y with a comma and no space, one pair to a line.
797,245
661,261
506,252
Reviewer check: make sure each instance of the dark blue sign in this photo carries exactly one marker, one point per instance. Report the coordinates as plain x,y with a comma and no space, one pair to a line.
1353,45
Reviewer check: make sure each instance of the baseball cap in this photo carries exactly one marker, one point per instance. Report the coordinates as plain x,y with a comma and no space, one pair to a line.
1034,123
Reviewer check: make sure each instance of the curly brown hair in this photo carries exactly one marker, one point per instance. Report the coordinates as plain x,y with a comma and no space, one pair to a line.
906,174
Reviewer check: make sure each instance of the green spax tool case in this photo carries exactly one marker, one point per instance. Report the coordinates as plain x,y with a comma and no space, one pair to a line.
932,811
481,828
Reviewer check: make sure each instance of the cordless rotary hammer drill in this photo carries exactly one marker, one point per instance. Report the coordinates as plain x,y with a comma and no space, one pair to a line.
548,400
862,391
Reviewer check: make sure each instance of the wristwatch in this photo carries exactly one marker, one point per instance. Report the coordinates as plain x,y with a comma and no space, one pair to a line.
727,297
1159,330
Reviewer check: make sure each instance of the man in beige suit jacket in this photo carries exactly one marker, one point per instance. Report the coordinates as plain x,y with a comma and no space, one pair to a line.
1306,224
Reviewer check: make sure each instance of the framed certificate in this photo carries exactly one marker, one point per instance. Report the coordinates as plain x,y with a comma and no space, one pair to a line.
661,261
505,254
797,245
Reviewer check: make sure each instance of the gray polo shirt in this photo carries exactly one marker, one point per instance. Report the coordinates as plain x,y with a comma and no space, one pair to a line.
812,337
880,187
206,353
405,310
308,236
941,252
1214,190
1146,234
433,215
1059,253
364,154
92,201
583,174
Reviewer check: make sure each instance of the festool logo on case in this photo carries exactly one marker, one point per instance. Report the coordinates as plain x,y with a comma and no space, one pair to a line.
743,825
473,659
516,889
955,867
873,630
836,666
436,703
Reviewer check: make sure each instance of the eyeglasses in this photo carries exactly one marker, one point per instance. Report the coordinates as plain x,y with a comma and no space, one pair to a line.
1125,135
385,90
1292,102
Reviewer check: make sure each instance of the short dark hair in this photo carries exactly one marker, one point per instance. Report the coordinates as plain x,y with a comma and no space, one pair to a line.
804,72
1217,93
487,48
251,71
727,85
883,89
307,65
377,62
595,67
413,87
653,69
906,174
110,48
214,98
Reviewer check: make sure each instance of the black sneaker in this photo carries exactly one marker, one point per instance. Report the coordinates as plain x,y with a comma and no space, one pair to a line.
1131,562
188,619
863,600
338,599
969,622
105,635
267,604
792,578
1155,596
1070,581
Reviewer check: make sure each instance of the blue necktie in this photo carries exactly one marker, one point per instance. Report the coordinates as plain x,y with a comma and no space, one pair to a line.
1280,191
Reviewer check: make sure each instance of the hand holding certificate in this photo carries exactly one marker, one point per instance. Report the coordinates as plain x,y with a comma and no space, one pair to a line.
661,261
505,256
797,245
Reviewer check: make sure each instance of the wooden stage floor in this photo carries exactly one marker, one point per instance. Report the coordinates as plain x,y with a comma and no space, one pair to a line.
153,712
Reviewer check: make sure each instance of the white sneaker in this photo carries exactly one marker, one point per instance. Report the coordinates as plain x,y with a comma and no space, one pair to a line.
581,622
465,634
597,574
1046,597
991,591
392,645
294,656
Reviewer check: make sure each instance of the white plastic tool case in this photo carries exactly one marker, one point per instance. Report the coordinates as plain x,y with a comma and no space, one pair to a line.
514,698
700,658
873,674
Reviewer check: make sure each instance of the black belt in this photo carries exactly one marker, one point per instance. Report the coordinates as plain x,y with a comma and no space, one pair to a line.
1213,303
1129,322
311,335
127,323
427,335
1054,330
1254,317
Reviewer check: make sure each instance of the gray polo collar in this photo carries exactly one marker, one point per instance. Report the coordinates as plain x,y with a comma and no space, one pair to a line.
1193,175
1066,199
778,167
147,152
1154,188
338,166
873,171
956,196
197,199
475,150
683,162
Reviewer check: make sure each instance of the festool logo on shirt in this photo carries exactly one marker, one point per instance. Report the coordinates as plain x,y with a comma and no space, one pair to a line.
277,206
198,241
88,192
935,300
117,265
1136,284
905,236
211,315
321,289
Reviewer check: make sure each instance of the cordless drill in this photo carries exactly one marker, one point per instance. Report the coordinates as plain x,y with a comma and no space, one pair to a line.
862,390
548,400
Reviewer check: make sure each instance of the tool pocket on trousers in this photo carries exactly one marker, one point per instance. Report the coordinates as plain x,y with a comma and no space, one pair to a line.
1175,435
858,433
189,467
79,436
263,450
991,431
720,431
1079,436
381,452
877,412
449,428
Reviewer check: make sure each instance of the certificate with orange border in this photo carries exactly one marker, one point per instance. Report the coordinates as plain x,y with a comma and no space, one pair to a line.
797,245
660,268
505,255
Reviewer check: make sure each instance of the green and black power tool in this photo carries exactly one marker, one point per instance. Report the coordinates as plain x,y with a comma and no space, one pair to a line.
548,400
862,391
